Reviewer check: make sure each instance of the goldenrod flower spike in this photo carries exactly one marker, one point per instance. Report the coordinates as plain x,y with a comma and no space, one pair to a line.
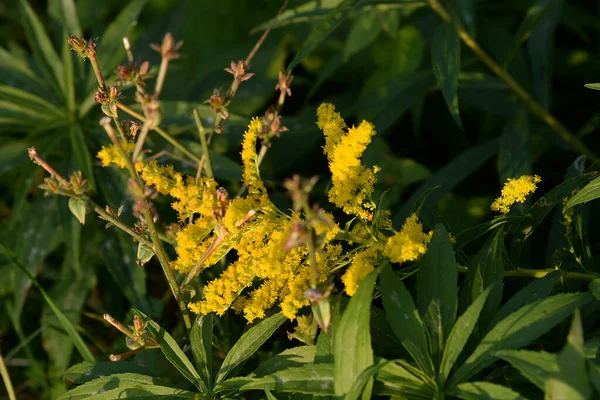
362,264
410,243
111,155
515,191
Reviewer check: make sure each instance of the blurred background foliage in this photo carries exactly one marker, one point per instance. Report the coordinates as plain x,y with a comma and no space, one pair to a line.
376,65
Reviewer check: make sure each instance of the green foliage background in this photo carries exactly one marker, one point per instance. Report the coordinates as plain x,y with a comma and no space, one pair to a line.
443,118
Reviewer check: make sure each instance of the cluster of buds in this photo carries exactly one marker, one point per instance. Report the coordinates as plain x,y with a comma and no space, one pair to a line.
85,48
76,186
218,104
133,73
137,336
271,126
108,99
283,85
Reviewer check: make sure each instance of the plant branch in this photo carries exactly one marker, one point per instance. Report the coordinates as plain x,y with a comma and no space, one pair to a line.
6,378
205,151
503,74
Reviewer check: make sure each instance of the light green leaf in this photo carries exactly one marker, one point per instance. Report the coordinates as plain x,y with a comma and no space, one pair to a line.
487,269
294,357
363,379
519,329
352,351
595,86
485,391
571,380
323,28
538,211
445,59
437,291
538,289
201,340
64,321
364,30
144,254
536,366
247,345
594,375
404,318
589,192
139,391
316,379
172,351
461,332
78,209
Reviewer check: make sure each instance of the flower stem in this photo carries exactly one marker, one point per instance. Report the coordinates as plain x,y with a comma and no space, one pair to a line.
538,273
206,154
160,78
503,74
117,222
6,378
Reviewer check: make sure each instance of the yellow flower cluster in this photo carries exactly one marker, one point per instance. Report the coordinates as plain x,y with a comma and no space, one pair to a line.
515,191
362,264
352,182
111,155
408,244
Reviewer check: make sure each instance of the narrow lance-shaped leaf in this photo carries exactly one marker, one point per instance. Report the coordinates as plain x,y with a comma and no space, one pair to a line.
404,318
201,341
484,391
536,366
172,351
445,58
589,192
437,290
352,351
247,345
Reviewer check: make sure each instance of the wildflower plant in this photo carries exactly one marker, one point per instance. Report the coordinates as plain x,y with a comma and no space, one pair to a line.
385,301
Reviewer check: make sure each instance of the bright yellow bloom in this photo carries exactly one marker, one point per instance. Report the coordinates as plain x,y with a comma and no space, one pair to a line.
237,211
111,155
352,183
515,191
250,170
408,244
362,264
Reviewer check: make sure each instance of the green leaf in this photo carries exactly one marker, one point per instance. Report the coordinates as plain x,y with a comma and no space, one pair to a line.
538,289
449,176
294,357
322,29
594,375
595,86
109,387
538,211
316,379
201,340
363,379
78,209
445,59
514,156
69,17
589,192
404,318
468,235
82,154
172,351
571,380
364,30
248,344
486,270
352,351
437,291
460,333
536,366
28,99
64,321
144,254
484,391
90,370
41,45
519,329
420,202
139,390
395,379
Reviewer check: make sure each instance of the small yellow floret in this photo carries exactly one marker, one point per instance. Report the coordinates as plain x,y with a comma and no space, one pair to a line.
111,155
408,244
515,191
332,125
362,264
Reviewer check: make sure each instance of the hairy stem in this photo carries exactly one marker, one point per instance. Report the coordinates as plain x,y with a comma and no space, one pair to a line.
503,74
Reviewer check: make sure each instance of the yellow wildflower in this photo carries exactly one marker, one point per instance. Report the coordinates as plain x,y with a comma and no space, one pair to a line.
408,244
237,211
250,170
111,155
515,191
332,125
362,264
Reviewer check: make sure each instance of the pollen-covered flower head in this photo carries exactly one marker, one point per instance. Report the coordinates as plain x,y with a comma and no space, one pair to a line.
408,244
515,191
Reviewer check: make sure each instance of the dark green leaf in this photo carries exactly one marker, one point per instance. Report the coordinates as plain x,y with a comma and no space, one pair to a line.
589,192
468,235
90,370
352,351
485,391
404,319
201,340
445,58
396,380
460,333
363,379
172,351
536,366
142,390
82,154
69,17
322,29
536,290
571,380
437,291
519,329
294,357
538,211
486,270
64,321
247,345
514,155
364,30
449,176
